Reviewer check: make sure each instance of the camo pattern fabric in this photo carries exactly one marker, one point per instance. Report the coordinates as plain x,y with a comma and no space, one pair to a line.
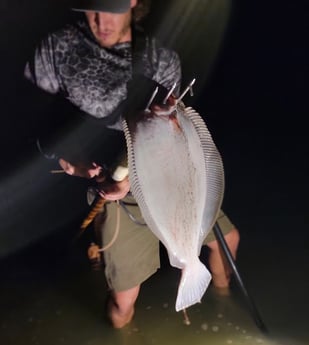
71,62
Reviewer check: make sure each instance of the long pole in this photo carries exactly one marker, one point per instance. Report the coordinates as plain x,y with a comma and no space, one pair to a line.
253,310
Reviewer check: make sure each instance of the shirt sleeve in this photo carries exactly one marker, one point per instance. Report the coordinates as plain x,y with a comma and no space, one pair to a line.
169,70
41,68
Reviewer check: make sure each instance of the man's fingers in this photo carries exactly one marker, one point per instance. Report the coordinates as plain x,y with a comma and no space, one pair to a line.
66,166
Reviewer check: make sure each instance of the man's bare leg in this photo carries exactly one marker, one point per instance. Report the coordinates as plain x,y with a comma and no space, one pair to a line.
219,267
121,306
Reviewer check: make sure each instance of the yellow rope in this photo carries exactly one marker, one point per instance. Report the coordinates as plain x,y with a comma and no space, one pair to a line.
94,211
116,230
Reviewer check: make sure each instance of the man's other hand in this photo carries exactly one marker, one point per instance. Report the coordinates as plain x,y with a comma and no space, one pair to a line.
113,190
81,170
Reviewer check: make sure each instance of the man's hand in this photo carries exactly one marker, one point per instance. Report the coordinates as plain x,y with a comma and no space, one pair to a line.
81,170
112,190
108,188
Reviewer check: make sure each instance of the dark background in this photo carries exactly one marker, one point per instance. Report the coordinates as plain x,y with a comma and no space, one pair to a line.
250,89
250,61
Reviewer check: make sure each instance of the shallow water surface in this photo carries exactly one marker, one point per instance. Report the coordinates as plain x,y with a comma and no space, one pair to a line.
63,303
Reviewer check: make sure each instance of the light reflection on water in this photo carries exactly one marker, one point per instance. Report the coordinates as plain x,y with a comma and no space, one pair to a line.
68,308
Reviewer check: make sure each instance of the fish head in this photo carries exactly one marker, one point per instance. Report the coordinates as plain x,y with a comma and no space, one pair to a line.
166,108
146,100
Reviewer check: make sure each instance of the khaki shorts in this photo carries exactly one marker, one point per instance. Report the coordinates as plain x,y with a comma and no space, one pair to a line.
134,255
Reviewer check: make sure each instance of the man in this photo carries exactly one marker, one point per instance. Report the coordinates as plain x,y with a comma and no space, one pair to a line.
90,63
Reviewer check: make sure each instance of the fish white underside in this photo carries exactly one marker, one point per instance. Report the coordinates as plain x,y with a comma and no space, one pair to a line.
176,176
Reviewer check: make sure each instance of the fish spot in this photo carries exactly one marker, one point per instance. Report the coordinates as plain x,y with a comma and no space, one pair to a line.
229,341
215,328
148,307
237,328
220,316
165,305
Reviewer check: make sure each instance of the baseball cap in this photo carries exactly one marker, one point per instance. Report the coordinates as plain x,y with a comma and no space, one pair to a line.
113,6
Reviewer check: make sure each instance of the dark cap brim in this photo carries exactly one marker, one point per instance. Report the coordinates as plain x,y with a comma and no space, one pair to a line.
112,6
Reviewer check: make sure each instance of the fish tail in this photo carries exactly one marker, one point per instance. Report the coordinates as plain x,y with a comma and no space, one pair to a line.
193,284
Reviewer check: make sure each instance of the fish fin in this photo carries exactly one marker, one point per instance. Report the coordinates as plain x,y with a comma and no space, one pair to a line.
214,170
192,286
135,183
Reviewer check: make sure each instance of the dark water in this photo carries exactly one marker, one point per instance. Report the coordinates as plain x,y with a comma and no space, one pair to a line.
53,297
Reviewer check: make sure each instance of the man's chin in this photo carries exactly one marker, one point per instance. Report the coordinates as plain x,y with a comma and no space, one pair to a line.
106,42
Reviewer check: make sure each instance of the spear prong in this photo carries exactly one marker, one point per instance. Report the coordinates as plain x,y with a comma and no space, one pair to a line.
169,93
188,88
151,99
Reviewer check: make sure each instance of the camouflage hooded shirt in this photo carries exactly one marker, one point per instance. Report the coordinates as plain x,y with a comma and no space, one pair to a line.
70,62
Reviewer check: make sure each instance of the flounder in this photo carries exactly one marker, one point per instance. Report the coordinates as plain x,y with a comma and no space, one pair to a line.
177,177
